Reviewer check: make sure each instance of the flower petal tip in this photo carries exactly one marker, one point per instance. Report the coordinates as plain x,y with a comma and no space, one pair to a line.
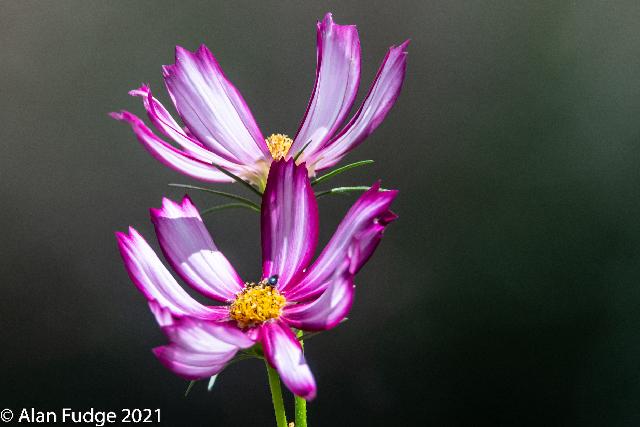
310,394
143,90
167,70
117,115
387,218
403,46
328,18
128,236
170,209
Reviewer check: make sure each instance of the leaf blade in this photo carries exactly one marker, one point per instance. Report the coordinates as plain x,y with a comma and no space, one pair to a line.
217,192
228,206
345,190
237,179
340,170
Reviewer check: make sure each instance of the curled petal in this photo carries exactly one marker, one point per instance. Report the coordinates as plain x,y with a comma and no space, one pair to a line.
163,120
190,366
329,308
155,281
199,349
356,238
337,79
289,221
283,351
212,108
190,250
168,154
207,337
377,104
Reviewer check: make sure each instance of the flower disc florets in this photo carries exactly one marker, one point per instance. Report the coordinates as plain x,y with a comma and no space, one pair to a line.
279,145
256,304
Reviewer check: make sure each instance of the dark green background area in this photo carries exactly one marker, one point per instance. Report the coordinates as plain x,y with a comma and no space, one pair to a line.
506,294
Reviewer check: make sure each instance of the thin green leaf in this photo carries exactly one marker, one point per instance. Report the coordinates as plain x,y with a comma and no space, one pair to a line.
237,179
295,158
345,190
189,387
340,170
229,206
219,193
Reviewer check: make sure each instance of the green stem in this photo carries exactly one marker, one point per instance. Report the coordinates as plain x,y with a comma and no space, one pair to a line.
300,403
343,190
295,158
219,193
276,396
237,179
228,206
340,170
301,412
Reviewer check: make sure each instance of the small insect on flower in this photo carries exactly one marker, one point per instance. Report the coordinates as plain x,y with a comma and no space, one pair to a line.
219,128
292,294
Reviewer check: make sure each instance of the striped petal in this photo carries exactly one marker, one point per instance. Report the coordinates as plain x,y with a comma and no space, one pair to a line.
381,97
155,281
170,155
212,108
356,238
335,88
199,349
163,120
190,250
289,221
283,351
329,308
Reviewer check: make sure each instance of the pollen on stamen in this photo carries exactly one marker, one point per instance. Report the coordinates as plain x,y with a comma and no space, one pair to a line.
279,145
256,304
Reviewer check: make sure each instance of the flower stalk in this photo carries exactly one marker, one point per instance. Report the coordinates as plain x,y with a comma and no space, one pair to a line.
300,403
276,396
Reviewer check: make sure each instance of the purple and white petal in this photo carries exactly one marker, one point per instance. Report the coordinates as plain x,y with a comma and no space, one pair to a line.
170,155
207,337
381,97
163,316
284,352
163,120
188,365
289,221
335,88
212,108
329,308
155,281
190,250
200,349
356,238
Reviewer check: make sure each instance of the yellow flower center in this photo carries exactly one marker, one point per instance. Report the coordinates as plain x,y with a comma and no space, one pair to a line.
256,304
279,145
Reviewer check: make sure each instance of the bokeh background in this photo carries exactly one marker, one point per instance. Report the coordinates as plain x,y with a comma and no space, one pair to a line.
506,294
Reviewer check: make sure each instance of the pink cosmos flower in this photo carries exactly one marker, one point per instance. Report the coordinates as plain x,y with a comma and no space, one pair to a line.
291,294
220,128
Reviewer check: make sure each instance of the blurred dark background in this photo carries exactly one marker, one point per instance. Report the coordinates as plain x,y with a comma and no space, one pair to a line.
506,294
